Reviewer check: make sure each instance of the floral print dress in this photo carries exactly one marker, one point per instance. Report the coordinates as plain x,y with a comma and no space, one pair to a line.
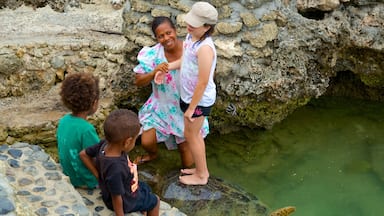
162,109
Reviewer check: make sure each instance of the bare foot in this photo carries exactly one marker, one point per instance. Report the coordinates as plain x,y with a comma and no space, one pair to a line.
143,159
193,180
188,171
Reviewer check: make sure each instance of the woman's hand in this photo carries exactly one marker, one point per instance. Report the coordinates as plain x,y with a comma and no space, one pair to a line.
163,67
146,78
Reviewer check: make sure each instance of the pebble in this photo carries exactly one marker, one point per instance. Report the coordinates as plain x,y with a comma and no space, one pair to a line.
32,183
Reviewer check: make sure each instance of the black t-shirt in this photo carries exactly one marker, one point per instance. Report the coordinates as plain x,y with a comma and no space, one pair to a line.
115,179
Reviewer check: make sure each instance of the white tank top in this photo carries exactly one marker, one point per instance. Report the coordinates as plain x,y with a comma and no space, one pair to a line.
189,72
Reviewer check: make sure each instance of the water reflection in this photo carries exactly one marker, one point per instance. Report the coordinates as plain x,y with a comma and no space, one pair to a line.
326,159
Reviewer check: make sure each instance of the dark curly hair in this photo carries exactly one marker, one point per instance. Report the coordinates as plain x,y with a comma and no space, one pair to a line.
79,91
160,20
120,125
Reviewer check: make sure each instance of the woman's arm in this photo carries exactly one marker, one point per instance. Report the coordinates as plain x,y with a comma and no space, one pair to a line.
145,79
89,163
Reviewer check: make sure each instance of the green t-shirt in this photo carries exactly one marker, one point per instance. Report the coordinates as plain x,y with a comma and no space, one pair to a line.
73,135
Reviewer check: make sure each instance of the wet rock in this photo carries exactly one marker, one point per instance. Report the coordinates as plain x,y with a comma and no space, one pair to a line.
215,198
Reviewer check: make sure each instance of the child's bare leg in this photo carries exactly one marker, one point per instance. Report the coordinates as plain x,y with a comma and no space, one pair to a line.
197,146
188,171
156,210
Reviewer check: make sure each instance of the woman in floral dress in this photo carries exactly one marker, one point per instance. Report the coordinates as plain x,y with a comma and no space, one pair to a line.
160,116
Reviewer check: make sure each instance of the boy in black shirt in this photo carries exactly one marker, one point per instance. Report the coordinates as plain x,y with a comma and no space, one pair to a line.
117,175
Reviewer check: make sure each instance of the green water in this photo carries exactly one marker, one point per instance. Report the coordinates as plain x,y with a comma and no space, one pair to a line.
327,159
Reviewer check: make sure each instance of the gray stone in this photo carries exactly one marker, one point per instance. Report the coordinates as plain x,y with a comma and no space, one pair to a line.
68,198
3,192
11,178
3,148
40,156
61,209
51,192
9,63
40,181
62,186
23,193
34,198
87,201
24,181
20,145
15,153
31,170
28,161
81,209
3,157
42,211
53,176
49,165
6,206
49,203
13,163
58,62
39,189
99,208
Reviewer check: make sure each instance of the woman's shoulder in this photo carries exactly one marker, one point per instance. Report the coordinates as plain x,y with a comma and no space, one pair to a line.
150,50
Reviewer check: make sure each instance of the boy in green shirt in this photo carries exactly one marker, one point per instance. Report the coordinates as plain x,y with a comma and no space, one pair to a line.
80,94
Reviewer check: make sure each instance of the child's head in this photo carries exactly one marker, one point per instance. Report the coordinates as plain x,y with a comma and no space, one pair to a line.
80,92
122,125
202,14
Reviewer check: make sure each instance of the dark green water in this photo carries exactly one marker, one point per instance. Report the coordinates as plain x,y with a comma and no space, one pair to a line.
327,159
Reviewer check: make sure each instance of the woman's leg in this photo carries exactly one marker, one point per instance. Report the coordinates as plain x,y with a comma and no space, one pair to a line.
197,146
149,144
185,155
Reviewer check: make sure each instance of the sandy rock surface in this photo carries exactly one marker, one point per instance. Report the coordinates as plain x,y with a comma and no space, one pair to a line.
26,25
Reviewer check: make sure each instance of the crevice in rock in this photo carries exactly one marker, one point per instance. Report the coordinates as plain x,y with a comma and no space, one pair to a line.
313,14
347,84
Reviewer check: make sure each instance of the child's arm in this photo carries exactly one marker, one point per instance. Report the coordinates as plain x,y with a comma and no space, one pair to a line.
117,202
89,163
174,65
133,170
135,180
159,75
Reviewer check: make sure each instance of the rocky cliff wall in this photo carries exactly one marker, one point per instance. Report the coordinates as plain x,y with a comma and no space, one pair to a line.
273,56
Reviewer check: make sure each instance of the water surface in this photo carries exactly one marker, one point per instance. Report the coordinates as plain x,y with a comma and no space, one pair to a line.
327,158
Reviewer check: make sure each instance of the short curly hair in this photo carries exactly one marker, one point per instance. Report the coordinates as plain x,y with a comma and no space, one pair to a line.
120,125
79,91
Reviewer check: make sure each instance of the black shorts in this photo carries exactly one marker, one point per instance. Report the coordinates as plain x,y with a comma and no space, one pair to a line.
199,111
